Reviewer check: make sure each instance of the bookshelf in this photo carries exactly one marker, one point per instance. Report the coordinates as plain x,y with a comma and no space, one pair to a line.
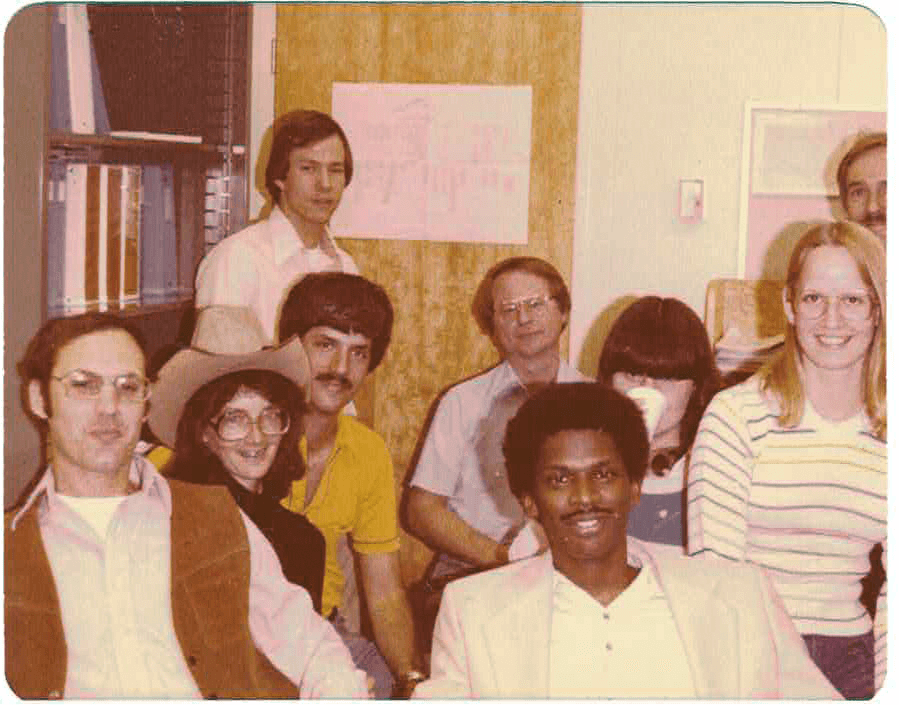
173,216
175,80
145,158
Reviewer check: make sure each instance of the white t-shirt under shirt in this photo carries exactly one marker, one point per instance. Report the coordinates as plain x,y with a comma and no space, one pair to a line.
96,511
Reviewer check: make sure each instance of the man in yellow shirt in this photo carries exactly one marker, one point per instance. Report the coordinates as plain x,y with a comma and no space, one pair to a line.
344,322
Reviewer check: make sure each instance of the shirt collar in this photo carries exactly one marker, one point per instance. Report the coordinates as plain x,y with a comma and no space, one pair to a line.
286,242
508,377
142,473
341,438
343,430
565,374
637,557
640,555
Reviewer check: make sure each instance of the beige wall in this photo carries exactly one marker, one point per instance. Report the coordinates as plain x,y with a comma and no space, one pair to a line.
662,96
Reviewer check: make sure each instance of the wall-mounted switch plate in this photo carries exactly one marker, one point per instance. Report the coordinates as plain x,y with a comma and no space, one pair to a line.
691,201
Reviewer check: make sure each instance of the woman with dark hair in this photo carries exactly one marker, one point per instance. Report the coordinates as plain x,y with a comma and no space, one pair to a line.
658,352
235,419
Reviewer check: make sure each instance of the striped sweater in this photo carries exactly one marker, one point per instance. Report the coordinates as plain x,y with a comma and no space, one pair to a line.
805,503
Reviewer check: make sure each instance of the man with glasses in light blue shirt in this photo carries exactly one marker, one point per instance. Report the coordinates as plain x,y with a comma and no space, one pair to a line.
459,502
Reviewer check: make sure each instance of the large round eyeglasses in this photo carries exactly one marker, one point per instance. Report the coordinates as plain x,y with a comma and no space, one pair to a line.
236,425
854,306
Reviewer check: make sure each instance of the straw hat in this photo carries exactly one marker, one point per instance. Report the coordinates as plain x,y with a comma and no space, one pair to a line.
226,339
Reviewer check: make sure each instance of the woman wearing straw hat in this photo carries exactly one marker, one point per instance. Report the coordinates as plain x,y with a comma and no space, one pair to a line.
232,410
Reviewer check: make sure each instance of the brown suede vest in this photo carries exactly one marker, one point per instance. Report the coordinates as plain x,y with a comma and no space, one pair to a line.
210,603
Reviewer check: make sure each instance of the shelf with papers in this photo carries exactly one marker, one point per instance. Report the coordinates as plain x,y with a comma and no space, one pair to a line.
145,162
114,149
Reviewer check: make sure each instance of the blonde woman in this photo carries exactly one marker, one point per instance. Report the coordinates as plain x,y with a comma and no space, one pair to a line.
789,469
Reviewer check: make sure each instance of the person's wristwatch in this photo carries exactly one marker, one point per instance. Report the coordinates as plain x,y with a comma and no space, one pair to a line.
405,684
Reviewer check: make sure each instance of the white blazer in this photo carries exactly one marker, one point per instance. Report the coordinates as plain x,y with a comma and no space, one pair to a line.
492,633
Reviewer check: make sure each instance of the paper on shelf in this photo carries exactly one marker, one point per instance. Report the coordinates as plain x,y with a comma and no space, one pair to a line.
158,136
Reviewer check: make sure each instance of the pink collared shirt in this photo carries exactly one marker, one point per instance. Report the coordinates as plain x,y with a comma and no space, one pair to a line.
115,600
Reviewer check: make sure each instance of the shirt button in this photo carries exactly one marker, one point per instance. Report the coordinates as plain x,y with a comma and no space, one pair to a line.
605,616
608,646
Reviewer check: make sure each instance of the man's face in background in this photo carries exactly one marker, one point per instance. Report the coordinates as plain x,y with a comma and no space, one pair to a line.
866,191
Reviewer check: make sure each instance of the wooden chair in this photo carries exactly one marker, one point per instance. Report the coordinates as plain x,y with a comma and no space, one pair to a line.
745,310
750,306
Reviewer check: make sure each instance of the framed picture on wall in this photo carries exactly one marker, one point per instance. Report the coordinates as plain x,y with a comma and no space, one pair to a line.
790,160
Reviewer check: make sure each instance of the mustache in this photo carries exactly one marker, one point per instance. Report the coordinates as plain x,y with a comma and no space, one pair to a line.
590,512
878,218
328,377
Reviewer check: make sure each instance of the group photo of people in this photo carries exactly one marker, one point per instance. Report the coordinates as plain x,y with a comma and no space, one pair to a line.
323,482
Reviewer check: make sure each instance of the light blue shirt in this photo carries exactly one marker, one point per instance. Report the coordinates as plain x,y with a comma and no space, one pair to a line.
462,454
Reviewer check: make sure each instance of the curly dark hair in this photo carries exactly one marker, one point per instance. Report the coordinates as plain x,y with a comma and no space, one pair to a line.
193,461
572,407
346,302
665,339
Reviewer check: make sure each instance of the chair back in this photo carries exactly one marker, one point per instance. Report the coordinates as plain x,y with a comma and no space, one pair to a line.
753,307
